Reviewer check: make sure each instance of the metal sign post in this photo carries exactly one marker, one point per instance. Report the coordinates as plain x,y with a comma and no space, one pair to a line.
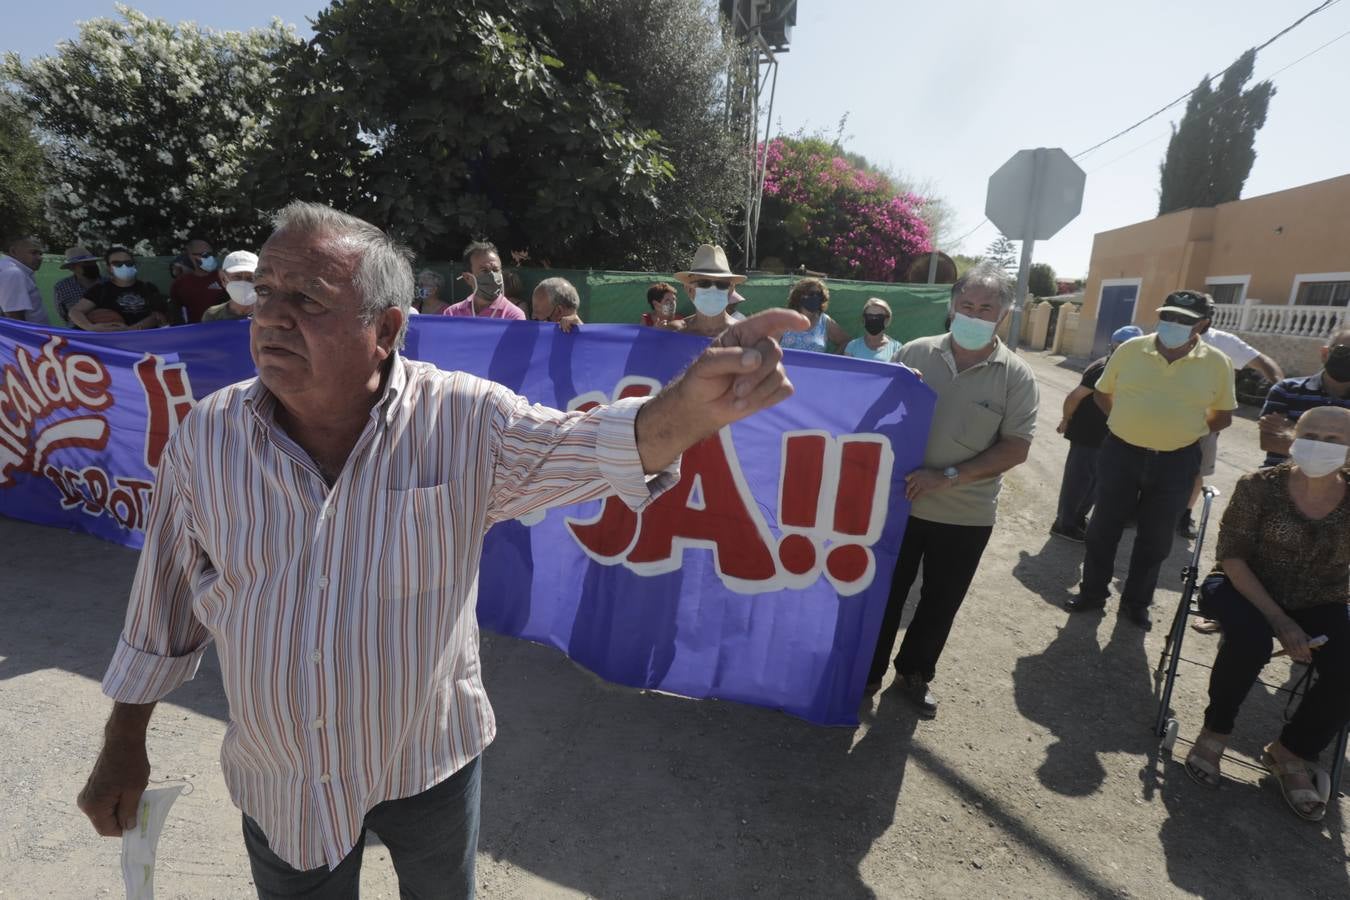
1031,197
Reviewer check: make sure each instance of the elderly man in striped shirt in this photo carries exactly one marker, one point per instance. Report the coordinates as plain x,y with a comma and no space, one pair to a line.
323,524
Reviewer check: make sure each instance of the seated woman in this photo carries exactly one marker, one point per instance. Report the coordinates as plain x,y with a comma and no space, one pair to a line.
1284,572
811,298
876,344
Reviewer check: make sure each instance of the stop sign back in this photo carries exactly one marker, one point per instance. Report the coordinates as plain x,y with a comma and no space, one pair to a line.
1035,194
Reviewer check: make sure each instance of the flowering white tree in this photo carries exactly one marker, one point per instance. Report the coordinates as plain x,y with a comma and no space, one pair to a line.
149,127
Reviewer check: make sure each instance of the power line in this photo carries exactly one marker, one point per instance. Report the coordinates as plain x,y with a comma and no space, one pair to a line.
1326,5
1283,68
1153,115
957,242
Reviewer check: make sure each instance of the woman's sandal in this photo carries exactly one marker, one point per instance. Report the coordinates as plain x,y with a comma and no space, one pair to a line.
1201,770
1297,798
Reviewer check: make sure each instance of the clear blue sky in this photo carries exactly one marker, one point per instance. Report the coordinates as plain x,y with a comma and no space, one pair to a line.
946,92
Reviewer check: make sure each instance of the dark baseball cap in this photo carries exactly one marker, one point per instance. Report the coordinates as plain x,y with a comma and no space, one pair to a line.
1189,303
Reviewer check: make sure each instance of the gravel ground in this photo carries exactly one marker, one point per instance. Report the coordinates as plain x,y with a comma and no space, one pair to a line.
1040,777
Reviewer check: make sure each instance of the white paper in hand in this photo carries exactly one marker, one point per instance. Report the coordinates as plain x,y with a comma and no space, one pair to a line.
138,844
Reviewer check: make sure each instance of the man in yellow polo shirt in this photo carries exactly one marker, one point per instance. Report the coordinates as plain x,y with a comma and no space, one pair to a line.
1162,393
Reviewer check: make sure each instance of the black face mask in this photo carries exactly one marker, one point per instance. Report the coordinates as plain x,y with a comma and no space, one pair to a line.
813,302
1338,364
89,271
874,324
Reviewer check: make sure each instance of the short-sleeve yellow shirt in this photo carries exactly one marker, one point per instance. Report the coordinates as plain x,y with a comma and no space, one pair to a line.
1162,405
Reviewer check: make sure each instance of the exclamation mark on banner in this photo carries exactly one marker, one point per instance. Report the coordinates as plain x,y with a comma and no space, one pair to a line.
855,508
799,499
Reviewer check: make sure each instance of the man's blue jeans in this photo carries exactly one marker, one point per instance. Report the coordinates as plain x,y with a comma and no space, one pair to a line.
1078,488
1151,485
432,839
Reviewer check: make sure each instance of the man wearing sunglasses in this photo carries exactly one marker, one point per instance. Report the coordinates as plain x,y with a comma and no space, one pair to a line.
710,284
123,301
196,291
1163,393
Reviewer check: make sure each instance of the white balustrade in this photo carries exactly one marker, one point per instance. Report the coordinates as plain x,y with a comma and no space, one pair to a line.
1227,316
1296,321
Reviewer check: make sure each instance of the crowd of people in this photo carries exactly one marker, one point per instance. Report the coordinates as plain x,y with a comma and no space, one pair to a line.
1142,425
108,294
1143,428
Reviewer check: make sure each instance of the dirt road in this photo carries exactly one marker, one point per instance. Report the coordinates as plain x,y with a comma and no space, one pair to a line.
1038,779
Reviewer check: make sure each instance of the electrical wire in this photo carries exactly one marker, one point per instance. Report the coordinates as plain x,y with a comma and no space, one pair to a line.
1186,96
1284,68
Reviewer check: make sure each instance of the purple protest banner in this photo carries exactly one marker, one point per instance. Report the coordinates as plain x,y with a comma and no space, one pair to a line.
761,577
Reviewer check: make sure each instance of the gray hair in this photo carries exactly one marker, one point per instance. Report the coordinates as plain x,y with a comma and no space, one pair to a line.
985,276
560,293
384,277
433,276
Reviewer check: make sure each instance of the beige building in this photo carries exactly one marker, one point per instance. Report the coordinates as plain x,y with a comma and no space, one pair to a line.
1277,265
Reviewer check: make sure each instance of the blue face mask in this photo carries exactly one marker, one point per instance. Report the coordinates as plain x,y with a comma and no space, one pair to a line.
126,273
208,263
1173,335
971,333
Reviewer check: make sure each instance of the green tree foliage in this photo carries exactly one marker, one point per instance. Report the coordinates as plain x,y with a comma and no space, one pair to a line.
442,122
1212,150
827,214
671,57
1002,252
1041,280
148,126
22,170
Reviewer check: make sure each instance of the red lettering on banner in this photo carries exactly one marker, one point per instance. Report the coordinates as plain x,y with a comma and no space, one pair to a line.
125,500
724,517
832,506
35,386
168,399
833,491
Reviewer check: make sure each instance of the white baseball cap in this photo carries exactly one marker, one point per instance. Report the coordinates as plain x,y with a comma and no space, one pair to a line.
240,261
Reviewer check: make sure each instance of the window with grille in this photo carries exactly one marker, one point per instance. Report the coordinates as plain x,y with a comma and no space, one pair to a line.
1230,292
1323,293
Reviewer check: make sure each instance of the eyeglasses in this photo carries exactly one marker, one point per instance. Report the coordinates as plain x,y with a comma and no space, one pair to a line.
1176,318
706,283
121,262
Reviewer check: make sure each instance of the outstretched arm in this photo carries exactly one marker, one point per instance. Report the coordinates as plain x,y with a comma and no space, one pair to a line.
739,375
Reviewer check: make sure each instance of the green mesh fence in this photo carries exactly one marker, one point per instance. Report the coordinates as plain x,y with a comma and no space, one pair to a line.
621,297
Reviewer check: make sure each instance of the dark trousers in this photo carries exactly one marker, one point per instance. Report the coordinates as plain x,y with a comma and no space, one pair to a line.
432,839
949,555
1152,486
1077,488
1245,648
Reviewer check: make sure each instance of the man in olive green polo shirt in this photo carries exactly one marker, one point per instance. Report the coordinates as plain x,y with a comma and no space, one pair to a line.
1162,393
982,427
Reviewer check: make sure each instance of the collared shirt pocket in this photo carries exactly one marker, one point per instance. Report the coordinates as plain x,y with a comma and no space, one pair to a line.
980,425
417,550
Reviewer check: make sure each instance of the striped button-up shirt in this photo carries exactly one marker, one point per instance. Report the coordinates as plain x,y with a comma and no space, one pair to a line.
344,615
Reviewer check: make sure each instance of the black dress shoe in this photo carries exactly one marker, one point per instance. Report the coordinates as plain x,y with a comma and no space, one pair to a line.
1084,604
1137,615
917,693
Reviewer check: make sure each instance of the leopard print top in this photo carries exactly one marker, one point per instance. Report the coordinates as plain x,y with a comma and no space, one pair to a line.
1299,561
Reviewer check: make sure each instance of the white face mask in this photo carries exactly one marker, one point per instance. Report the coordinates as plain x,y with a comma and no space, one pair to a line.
241,292
711,301
971,333
1317,458
138,844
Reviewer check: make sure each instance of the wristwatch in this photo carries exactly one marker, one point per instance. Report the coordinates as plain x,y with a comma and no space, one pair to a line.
951,474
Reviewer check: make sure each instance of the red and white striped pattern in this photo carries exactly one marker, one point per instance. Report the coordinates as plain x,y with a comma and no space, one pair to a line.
344,617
